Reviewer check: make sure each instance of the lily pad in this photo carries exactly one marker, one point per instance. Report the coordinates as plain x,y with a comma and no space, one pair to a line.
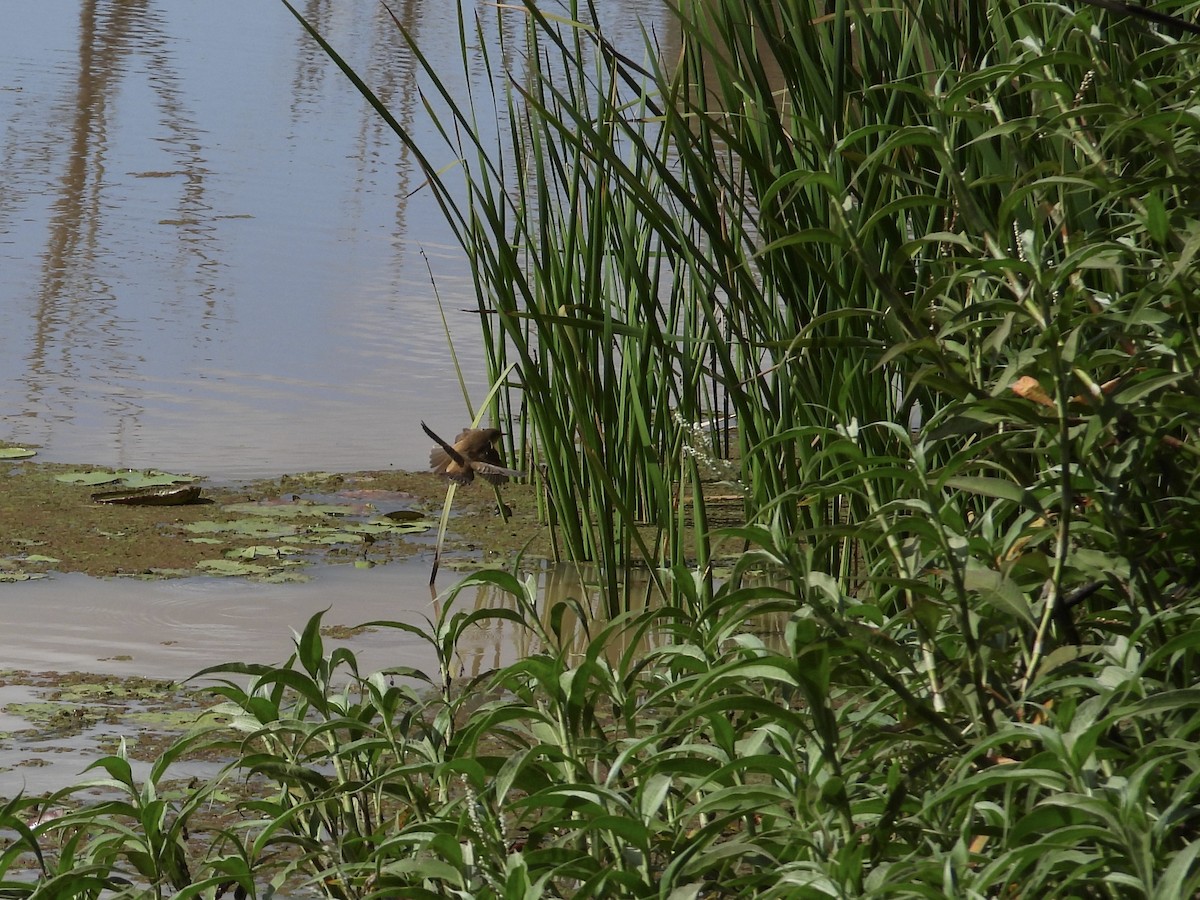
230,567
16,453
93,477
255,528
288,577
38,558
151,478
404,515
376,526
289,510
21,576
261,550
326,537
371,528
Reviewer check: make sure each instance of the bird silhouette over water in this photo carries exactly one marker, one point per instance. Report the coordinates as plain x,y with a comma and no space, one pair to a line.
473,451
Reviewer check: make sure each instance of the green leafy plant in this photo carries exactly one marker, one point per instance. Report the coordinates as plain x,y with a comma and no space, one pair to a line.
918,285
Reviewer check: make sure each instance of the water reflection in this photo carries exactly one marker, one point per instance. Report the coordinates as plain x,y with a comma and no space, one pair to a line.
171,629
212,252
77,309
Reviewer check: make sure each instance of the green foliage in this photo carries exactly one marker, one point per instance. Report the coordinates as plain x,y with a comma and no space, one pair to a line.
769,743
924,276
804,222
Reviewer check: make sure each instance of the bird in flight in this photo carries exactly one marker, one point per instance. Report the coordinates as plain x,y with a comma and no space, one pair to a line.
474,450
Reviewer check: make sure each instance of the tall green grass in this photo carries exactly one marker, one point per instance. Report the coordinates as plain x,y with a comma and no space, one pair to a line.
925,276
785,224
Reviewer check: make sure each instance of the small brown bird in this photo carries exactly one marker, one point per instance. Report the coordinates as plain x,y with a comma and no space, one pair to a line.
474,450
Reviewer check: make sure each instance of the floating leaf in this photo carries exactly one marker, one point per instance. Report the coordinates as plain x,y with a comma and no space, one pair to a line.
36,558
205,540
376,526
16,453
404,515
292,577
414,527
151,478
21,576
286,510
229,567
154,478
256,528
371,527
327,537
93,477
260,550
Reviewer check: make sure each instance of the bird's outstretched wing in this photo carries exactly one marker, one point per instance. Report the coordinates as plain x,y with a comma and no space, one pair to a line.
447,461
449,450
496,474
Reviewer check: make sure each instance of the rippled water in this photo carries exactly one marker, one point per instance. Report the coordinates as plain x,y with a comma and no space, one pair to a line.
213,255
172,629
215,259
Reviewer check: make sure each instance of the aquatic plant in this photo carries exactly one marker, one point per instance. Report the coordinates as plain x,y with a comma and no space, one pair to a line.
675,752
925,277
799,225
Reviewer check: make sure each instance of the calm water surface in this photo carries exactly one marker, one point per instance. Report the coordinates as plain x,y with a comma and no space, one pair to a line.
171,629
213,257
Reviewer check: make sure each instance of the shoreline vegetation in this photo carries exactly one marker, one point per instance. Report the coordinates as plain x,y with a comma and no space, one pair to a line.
919,282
